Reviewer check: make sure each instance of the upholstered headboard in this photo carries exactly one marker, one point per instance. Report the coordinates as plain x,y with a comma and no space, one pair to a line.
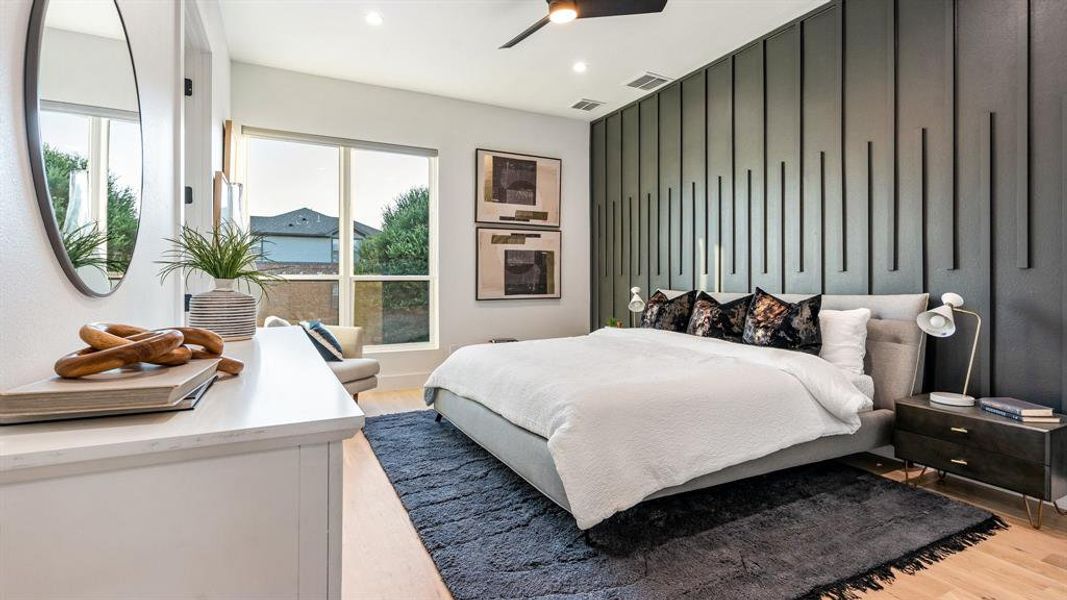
896,348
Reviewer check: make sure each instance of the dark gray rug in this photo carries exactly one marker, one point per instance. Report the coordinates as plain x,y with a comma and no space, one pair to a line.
824,529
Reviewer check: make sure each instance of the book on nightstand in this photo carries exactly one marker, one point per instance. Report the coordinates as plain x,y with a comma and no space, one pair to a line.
1018,410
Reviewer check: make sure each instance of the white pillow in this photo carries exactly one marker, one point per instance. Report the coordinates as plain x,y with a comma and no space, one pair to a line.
844,338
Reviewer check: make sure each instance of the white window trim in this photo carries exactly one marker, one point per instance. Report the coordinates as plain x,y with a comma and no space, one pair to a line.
345,278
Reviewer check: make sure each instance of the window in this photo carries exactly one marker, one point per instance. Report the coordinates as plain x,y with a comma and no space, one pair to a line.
348,225
93,164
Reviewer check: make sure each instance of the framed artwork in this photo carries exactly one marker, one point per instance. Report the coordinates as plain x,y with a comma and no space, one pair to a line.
228,202
518,264
517,189
229,149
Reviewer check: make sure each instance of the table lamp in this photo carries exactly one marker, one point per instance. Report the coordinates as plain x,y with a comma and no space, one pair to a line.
636,305
941,322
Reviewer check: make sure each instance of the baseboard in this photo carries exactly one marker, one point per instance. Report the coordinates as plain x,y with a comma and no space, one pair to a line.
401,381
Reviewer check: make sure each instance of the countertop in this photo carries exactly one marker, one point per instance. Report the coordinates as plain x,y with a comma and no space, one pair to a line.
285,391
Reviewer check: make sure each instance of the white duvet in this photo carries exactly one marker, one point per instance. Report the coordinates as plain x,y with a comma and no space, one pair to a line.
628,412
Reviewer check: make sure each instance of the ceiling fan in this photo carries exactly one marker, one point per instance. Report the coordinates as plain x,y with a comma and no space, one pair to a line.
565,11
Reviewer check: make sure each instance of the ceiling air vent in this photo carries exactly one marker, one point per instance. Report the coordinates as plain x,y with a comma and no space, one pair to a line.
648,81
587,104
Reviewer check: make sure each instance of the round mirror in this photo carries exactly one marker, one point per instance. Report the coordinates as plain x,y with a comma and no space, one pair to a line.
83,120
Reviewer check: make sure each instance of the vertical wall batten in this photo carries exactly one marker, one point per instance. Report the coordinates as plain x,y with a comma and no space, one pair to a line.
924,240
597,177
986,198
1063,241
953,98
1022,143
891,140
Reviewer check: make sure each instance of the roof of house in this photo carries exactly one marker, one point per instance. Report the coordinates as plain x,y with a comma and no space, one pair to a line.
304,222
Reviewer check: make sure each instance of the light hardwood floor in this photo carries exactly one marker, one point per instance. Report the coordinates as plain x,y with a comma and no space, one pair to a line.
384,559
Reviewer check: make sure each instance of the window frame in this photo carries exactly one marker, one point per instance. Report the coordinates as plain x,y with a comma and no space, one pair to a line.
98,156
346,278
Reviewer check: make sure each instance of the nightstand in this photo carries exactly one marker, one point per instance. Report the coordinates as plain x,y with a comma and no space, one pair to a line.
1028,458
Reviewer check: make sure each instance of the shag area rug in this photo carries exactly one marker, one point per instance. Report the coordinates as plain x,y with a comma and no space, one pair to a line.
824,529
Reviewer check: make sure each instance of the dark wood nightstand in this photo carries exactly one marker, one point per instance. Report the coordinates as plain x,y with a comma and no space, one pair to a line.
1028,458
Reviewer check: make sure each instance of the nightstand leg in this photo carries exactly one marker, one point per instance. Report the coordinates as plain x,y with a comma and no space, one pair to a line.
1030,516
907,474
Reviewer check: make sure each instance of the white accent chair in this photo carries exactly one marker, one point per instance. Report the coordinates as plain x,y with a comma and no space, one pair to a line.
356,374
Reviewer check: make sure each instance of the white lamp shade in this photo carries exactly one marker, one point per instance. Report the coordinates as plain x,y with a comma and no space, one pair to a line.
938,322
636,303
952,299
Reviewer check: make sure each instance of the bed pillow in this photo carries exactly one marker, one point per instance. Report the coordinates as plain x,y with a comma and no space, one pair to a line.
775,323
719,320
844,338
670,314
323,340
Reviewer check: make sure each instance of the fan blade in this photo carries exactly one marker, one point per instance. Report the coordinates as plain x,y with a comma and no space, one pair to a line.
529,31
609,8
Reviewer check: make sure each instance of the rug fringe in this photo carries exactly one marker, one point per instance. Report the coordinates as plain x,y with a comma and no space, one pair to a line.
851,588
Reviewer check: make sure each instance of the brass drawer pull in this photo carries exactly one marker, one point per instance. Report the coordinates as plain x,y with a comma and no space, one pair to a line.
958,429
958,461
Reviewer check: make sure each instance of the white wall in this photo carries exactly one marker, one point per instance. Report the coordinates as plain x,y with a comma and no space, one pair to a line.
277,99
211,19
207,62
40,311
86,69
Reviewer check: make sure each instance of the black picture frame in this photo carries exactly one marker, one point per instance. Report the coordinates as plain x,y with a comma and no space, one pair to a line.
479,180
524,231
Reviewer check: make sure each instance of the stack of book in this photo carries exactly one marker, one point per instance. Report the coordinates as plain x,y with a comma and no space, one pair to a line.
140,389
1018,410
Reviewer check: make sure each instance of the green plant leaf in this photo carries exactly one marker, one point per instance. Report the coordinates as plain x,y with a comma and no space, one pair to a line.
226,252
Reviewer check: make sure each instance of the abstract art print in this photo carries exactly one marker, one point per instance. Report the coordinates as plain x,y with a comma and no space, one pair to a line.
517,189
515,264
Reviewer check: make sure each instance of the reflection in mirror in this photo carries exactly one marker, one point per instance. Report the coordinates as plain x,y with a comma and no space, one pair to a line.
86,129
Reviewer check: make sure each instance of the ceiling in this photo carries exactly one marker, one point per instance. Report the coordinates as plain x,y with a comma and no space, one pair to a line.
450,47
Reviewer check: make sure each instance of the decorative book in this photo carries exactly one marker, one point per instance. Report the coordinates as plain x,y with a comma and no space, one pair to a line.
1020,418
1015,406
142,388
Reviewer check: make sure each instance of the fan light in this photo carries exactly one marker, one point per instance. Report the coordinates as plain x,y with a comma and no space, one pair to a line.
562,11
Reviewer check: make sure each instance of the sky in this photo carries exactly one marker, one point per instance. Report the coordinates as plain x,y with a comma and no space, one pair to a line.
283,176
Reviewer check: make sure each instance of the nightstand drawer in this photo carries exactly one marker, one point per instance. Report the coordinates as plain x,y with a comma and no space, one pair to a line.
1003,438
996,469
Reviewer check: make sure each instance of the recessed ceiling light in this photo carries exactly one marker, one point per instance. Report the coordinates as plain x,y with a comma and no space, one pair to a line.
374,18
580,67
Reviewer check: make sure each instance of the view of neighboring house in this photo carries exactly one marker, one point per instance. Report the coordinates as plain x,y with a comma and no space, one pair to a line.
304,241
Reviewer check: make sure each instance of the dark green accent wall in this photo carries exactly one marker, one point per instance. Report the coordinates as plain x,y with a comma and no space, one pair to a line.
871,146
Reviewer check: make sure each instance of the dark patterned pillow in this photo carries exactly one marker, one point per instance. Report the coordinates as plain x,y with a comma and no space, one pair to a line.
670,314
714,319
779,324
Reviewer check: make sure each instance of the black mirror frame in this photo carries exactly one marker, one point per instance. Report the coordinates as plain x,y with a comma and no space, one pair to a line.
32,107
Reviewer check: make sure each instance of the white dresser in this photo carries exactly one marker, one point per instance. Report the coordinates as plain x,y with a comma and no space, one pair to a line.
239,498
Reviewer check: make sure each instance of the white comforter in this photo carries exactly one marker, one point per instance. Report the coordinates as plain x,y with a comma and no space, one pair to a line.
628,412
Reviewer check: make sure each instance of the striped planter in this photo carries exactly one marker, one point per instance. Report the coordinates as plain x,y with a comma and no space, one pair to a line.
224,310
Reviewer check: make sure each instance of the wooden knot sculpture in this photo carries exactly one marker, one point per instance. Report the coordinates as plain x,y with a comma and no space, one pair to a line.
114,345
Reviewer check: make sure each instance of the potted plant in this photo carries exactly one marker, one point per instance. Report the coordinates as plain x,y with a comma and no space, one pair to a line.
230,256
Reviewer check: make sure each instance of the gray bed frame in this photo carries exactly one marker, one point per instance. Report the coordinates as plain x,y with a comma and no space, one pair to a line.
895,360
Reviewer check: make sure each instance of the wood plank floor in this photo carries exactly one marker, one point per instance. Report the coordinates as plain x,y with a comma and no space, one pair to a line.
384,559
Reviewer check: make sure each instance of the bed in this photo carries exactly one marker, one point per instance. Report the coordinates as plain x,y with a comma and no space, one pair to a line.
894,363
